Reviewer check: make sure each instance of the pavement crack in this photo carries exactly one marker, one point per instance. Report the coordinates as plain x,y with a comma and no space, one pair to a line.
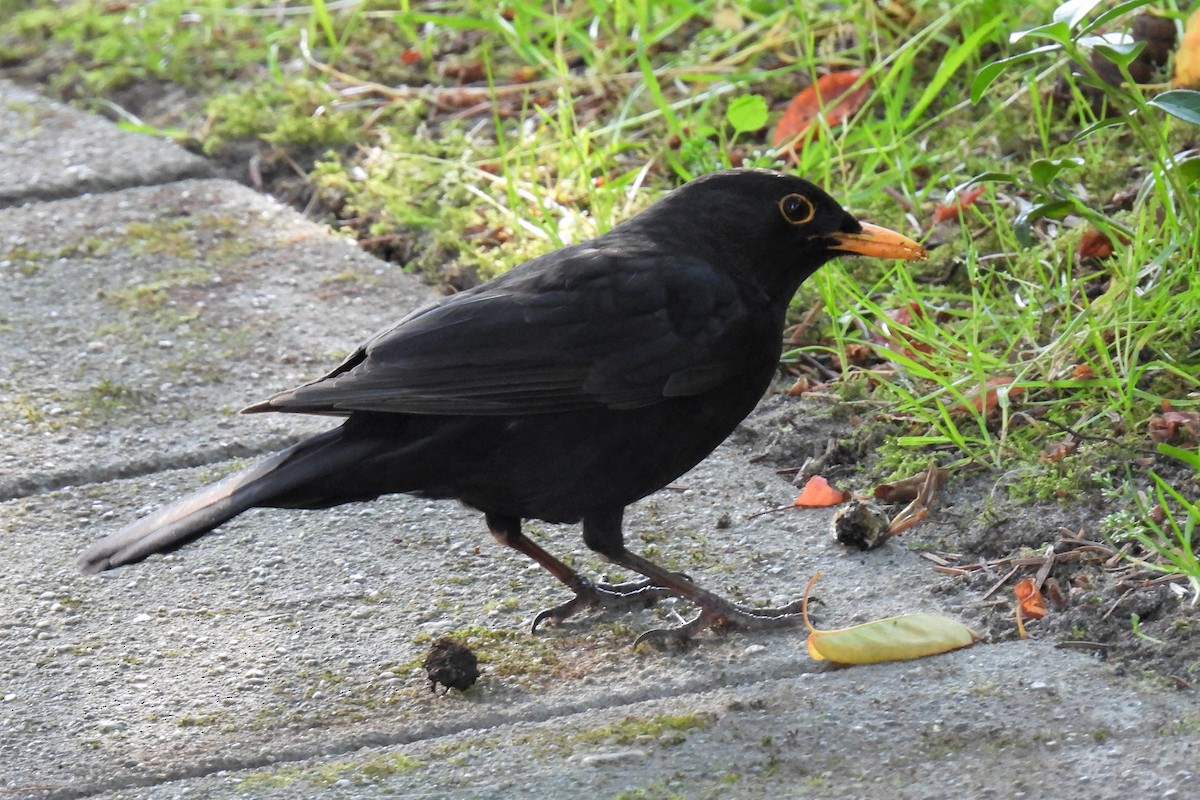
14,487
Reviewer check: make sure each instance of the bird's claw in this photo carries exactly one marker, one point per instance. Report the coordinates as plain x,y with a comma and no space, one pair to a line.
723,616
609,596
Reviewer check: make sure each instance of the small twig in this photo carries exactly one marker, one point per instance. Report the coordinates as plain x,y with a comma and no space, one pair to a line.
900,199
1118,556
1082,436
1044,571
826,373
1113,607
996,587
915,512
941,562
1081,645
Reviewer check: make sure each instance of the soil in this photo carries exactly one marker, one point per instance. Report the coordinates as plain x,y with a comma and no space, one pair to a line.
982,542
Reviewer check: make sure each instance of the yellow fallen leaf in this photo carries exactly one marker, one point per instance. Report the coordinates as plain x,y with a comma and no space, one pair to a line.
1187,57
893,639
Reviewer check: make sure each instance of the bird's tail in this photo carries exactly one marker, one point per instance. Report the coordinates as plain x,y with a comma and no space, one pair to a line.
264,484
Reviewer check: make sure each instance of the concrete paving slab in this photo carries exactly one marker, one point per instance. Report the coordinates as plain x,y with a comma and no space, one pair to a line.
50,150
281,658
804,736
125,313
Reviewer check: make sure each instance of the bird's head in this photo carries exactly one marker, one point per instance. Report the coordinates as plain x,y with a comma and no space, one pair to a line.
778,227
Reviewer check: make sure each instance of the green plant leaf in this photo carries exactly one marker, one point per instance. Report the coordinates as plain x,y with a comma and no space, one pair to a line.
988,177
1108,122
1135,622
1045,170
1181,103
1023,224
747,113
1189,457
1072,12
1055,31
1188,169
988,73
1118,10
1122,54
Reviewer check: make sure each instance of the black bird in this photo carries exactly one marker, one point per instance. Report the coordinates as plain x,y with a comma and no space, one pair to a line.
564,390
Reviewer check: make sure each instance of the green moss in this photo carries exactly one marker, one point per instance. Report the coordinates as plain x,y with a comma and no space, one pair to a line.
504,653
107,400
297,111
105,46
666,729
197,720
659,790
372,770
25,261
218,239
84,648
1062,480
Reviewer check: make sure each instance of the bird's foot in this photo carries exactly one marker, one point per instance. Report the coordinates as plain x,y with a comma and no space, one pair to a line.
722,615
609,596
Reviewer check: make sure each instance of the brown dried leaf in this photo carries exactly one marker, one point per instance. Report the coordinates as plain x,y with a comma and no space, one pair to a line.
1173,427
1057,451
906,490
836,96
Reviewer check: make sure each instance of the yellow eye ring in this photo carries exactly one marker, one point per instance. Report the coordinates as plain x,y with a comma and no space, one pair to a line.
797,209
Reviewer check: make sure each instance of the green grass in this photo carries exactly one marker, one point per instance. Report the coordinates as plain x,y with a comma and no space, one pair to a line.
461,138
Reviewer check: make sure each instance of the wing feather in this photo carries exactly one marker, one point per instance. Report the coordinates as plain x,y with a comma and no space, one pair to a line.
584,329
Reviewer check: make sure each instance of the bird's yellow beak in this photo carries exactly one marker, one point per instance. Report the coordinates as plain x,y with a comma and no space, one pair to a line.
879,242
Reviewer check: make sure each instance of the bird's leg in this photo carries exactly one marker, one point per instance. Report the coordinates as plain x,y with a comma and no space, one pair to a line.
602,533
631,594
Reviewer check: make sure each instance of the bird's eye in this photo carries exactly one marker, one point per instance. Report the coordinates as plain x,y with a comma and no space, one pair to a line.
797,209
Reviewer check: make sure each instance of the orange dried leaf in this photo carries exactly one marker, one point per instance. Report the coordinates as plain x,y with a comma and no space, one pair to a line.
817,493
1095,244
525,74
1187,57
954,207
1029,599
836,96
904,315
893,639
802,385
988,397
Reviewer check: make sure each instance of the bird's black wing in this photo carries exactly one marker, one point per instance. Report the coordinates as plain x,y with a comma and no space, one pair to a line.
578,328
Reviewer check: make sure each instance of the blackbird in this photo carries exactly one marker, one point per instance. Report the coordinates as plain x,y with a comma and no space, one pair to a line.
564,390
